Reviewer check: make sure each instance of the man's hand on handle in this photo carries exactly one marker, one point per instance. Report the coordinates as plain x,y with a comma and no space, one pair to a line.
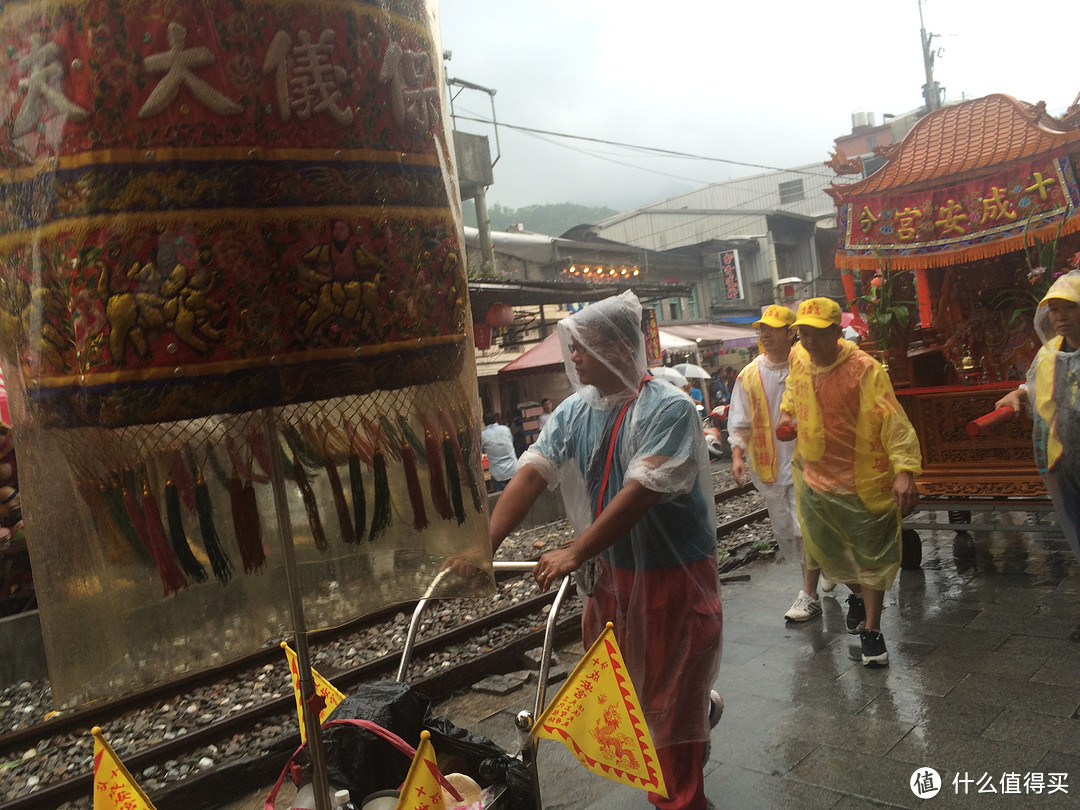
554,565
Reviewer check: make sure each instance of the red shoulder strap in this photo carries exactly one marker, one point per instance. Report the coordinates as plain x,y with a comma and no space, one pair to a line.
611,444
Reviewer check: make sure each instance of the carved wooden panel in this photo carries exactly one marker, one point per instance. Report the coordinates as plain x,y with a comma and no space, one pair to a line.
997,462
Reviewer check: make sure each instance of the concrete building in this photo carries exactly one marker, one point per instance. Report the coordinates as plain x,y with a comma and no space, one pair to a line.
755,240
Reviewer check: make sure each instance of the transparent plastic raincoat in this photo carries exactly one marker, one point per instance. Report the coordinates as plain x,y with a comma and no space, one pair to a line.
658,584
853,440
1053,385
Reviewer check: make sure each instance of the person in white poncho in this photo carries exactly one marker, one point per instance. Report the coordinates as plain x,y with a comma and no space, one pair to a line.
629,455
756,453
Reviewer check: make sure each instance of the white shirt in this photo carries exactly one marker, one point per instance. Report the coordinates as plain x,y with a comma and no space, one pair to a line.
498,443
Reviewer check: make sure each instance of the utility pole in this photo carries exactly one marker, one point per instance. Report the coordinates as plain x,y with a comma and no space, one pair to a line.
475,169
931,90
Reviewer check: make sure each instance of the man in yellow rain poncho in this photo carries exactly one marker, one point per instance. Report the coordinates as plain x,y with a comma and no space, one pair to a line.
1054,378
856,458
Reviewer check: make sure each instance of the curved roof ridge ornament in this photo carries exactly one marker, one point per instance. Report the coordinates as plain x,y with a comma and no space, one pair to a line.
925,155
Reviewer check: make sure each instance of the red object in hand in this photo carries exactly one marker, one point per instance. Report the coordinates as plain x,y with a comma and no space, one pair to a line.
1002,414
785,433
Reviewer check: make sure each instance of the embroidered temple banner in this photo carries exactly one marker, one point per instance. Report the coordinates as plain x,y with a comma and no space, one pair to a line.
212,215
961,222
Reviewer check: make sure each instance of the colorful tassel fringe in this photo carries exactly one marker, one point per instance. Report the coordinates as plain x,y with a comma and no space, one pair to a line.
359,503
311,506
437,477
416,495
172,578
340,504
248,536
453,480
219,561
178,537
381,512
113,499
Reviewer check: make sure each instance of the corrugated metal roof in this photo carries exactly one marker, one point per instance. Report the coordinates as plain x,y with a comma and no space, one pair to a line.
726,210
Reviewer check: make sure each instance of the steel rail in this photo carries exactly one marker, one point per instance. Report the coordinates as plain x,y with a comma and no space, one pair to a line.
101,712
742,520
733,492
441,684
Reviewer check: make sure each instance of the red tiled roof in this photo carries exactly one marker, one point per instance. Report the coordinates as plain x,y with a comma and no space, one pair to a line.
964,140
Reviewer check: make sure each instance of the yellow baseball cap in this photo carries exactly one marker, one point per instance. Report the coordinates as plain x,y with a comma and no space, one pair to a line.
1066,287
776,315
820,313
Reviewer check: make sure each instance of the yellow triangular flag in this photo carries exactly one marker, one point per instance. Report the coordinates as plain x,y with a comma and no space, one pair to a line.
597,716
422,789
323,687
114,789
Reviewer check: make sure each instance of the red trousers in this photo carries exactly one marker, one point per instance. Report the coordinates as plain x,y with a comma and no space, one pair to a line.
668,624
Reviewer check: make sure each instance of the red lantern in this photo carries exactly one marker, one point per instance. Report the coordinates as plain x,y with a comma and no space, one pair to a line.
499,315
482,335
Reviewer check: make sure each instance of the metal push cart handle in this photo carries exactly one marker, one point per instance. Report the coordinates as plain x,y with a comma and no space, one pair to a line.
524,719
549,632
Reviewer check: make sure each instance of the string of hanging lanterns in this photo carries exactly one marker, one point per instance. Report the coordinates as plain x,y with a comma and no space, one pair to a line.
602,273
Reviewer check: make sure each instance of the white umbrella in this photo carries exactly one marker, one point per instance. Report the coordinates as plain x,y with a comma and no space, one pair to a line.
689,370
669,374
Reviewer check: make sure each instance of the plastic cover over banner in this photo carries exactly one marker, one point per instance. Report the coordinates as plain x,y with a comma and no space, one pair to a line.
216,214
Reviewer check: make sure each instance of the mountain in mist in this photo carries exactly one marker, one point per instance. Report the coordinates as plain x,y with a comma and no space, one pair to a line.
550,219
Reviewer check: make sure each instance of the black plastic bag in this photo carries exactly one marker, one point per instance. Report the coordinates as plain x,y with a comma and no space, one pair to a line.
485,762
357,759
360,761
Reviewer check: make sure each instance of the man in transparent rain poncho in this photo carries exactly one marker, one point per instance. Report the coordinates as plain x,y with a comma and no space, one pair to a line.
630,457
1054,378
856,458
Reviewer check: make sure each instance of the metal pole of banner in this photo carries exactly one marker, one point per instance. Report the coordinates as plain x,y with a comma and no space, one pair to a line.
320,784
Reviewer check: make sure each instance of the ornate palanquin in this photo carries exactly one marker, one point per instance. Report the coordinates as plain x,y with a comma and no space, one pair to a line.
225,223
960,201
218,206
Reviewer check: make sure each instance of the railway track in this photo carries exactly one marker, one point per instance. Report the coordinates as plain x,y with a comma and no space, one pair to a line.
240,776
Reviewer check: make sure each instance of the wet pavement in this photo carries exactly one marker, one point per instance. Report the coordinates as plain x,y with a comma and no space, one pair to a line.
983,686
983,682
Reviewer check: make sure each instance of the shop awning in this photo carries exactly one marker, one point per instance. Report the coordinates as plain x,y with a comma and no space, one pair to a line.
670,341
740,318
544,357
733,337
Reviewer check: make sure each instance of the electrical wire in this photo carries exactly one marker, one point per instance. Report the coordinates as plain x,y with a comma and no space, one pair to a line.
644,149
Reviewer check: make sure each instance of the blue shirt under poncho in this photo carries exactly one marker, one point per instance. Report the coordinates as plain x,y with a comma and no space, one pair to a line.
660,445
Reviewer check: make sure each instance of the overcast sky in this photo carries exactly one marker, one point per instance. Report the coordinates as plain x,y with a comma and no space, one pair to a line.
770,82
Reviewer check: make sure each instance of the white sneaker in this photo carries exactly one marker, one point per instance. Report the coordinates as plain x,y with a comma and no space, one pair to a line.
716,708
804,608
826,584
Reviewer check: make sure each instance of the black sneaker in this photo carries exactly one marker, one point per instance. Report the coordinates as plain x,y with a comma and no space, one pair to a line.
873,649
856,614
